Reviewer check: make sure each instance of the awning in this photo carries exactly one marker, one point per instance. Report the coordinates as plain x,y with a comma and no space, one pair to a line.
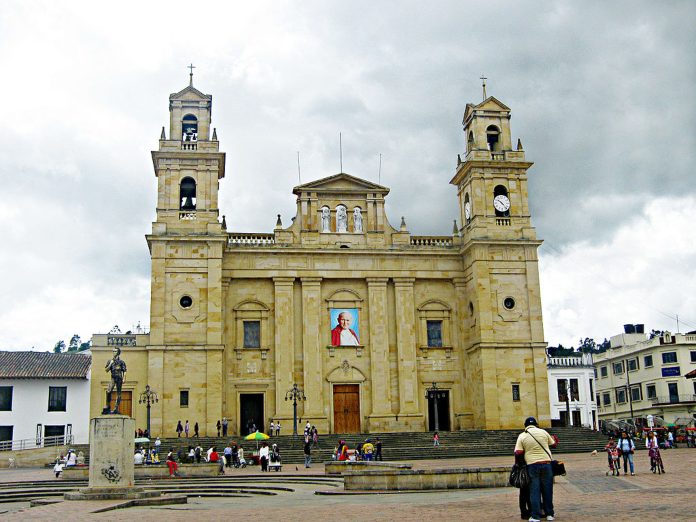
691,375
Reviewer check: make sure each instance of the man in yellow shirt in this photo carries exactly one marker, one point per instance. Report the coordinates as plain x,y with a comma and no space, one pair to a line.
533,444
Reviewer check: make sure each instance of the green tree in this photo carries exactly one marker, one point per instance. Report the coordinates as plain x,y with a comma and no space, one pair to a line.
59,347
74,343
85,346
587,345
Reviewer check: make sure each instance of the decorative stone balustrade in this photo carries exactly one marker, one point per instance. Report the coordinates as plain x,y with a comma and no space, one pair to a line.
503,222
432,241
250,239
188,215
121,340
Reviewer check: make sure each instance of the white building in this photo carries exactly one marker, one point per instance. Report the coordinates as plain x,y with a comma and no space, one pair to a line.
44,395
638,377
577,375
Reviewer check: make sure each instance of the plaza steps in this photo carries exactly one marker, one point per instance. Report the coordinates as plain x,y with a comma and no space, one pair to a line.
405,446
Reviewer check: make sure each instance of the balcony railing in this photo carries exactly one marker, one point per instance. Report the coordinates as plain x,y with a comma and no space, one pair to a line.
41,442
121,340
432,241
250,239
674,399
503,222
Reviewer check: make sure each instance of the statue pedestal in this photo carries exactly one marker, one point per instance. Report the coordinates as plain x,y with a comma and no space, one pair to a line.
111,475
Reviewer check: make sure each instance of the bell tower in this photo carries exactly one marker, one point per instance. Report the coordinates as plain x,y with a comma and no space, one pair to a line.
186,247
188,166
505,360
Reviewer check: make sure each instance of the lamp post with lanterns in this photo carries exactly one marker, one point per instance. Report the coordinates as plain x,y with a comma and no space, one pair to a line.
295,394
148,397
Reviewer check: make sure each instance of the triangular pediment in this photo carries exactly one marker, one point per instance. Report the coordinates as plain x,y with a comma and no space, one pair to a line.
189,93
340,183
492,104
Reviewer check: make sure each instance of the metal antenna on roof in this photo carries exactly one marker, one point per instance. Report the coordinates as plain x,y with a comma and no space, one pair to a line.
299,175
379,174
340,150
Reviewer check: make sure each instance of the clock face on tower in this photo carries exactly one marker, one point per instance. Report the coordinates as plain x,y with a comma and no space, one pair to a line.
501,203
467,211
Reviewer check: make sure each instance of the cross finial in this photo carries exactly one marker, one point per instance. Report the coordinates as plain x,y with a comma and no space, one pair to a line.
191,68
483,79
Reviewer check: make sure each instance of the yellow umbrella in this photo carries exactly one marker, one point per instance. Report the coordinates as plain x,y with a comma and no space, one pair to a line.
257,437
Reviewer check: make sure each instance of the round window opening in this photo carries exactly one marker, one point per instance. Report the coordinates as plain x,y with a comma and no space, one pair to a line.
509,303
186,301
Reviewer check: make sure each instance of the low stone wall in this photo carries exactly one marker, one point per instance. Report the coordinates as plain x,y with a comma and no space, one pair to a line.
425,479
152,471
338,468
32,458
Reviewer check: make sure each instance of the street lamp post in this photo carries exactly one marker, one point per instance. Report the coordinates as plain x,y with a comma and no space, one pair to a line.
433,393
148,397
570,417
295,394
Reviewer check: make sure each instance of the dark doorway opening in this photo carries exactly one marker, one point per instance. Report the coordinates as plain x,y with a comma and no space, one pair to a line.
443,415
54,431
6,437
250,413
577,421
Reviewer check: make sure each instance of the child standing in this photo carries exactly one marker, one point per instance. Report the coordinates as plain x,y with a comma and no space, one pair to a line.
436,440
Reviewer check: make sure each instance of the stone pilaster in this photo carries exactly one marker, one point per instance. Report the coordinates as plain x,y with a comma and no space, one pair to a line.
311,348
284,345
406,345
379,346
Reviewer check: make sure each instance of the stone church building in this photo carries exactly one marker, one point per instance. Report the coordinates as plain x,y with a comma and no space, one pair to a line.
381,329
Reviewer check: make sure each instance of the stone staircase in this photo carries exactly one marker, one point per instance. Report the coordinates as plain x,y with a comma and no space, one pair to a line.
401,446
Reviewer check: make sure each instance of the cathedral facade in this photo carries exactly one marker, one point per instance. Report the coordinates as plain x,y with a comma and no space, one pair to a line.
380,329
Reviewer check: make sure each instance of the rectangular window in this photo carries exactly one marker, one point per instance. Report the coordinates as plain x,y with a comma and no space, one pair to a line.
515,392
620,395
252,334
636,394
618,368
574,390
434,333
606,399
647,361
694,387
650,391
595,372
591,388
561,387
632,364
603,371
669,357
598,400
183,398
693,356
57,398
5,398
6,437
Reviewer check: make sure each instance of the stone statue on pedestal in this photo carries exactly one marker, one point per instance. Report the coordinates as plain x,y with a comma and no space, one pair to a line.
341,219
117,367
325,219
357,220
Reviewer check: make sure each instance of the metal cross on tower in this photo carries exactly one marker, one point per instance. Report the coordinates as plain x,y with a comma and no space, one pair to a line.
191,67
483,78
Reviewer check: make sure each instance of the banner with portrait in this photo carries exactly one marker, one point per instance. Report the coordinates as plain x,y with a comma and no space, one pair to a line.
345,327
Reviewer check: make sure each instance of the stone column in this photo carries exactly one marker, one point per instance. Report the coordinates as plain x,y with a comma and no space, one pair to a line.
379,346
406,345
284,343
311,347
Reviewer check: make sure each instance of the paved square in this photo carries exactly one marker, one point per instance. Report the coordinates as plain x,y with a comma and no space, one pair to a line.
584,494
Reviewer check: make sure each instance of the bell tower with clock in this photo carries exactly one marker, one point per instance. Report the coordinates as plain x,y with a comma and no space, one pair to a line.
505,365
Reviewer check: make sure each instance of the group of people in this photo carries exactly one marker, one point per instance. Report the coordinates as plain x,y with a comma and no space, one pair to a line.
269,455
222,425
367,451
274,427
186,428
624,448
68,460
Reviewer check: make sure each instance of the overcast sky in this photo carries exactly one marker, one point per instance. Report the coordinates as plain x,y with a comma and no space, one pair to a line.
602,96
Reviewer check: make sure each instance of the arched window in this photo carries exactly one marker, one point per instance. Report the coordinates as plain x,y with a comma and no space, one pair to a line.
187,194
189,128
492,137
470,141
501,201
467,209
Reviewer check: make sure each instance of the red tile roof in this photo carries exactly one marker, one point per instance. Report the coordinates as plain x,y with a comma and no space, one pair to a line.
44,365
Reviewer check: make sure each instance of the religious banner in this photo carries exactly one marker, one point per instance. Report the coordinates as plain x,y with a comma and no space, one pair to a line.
345,327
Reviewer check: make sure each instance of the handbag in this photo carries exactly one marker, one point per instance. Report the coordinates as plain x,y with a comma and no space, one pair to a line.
557,466
519,478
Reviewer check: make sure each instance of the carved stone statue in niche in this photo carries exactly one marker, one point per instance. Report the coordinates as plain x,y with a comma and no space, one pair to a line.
341,219
325,219
357,220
